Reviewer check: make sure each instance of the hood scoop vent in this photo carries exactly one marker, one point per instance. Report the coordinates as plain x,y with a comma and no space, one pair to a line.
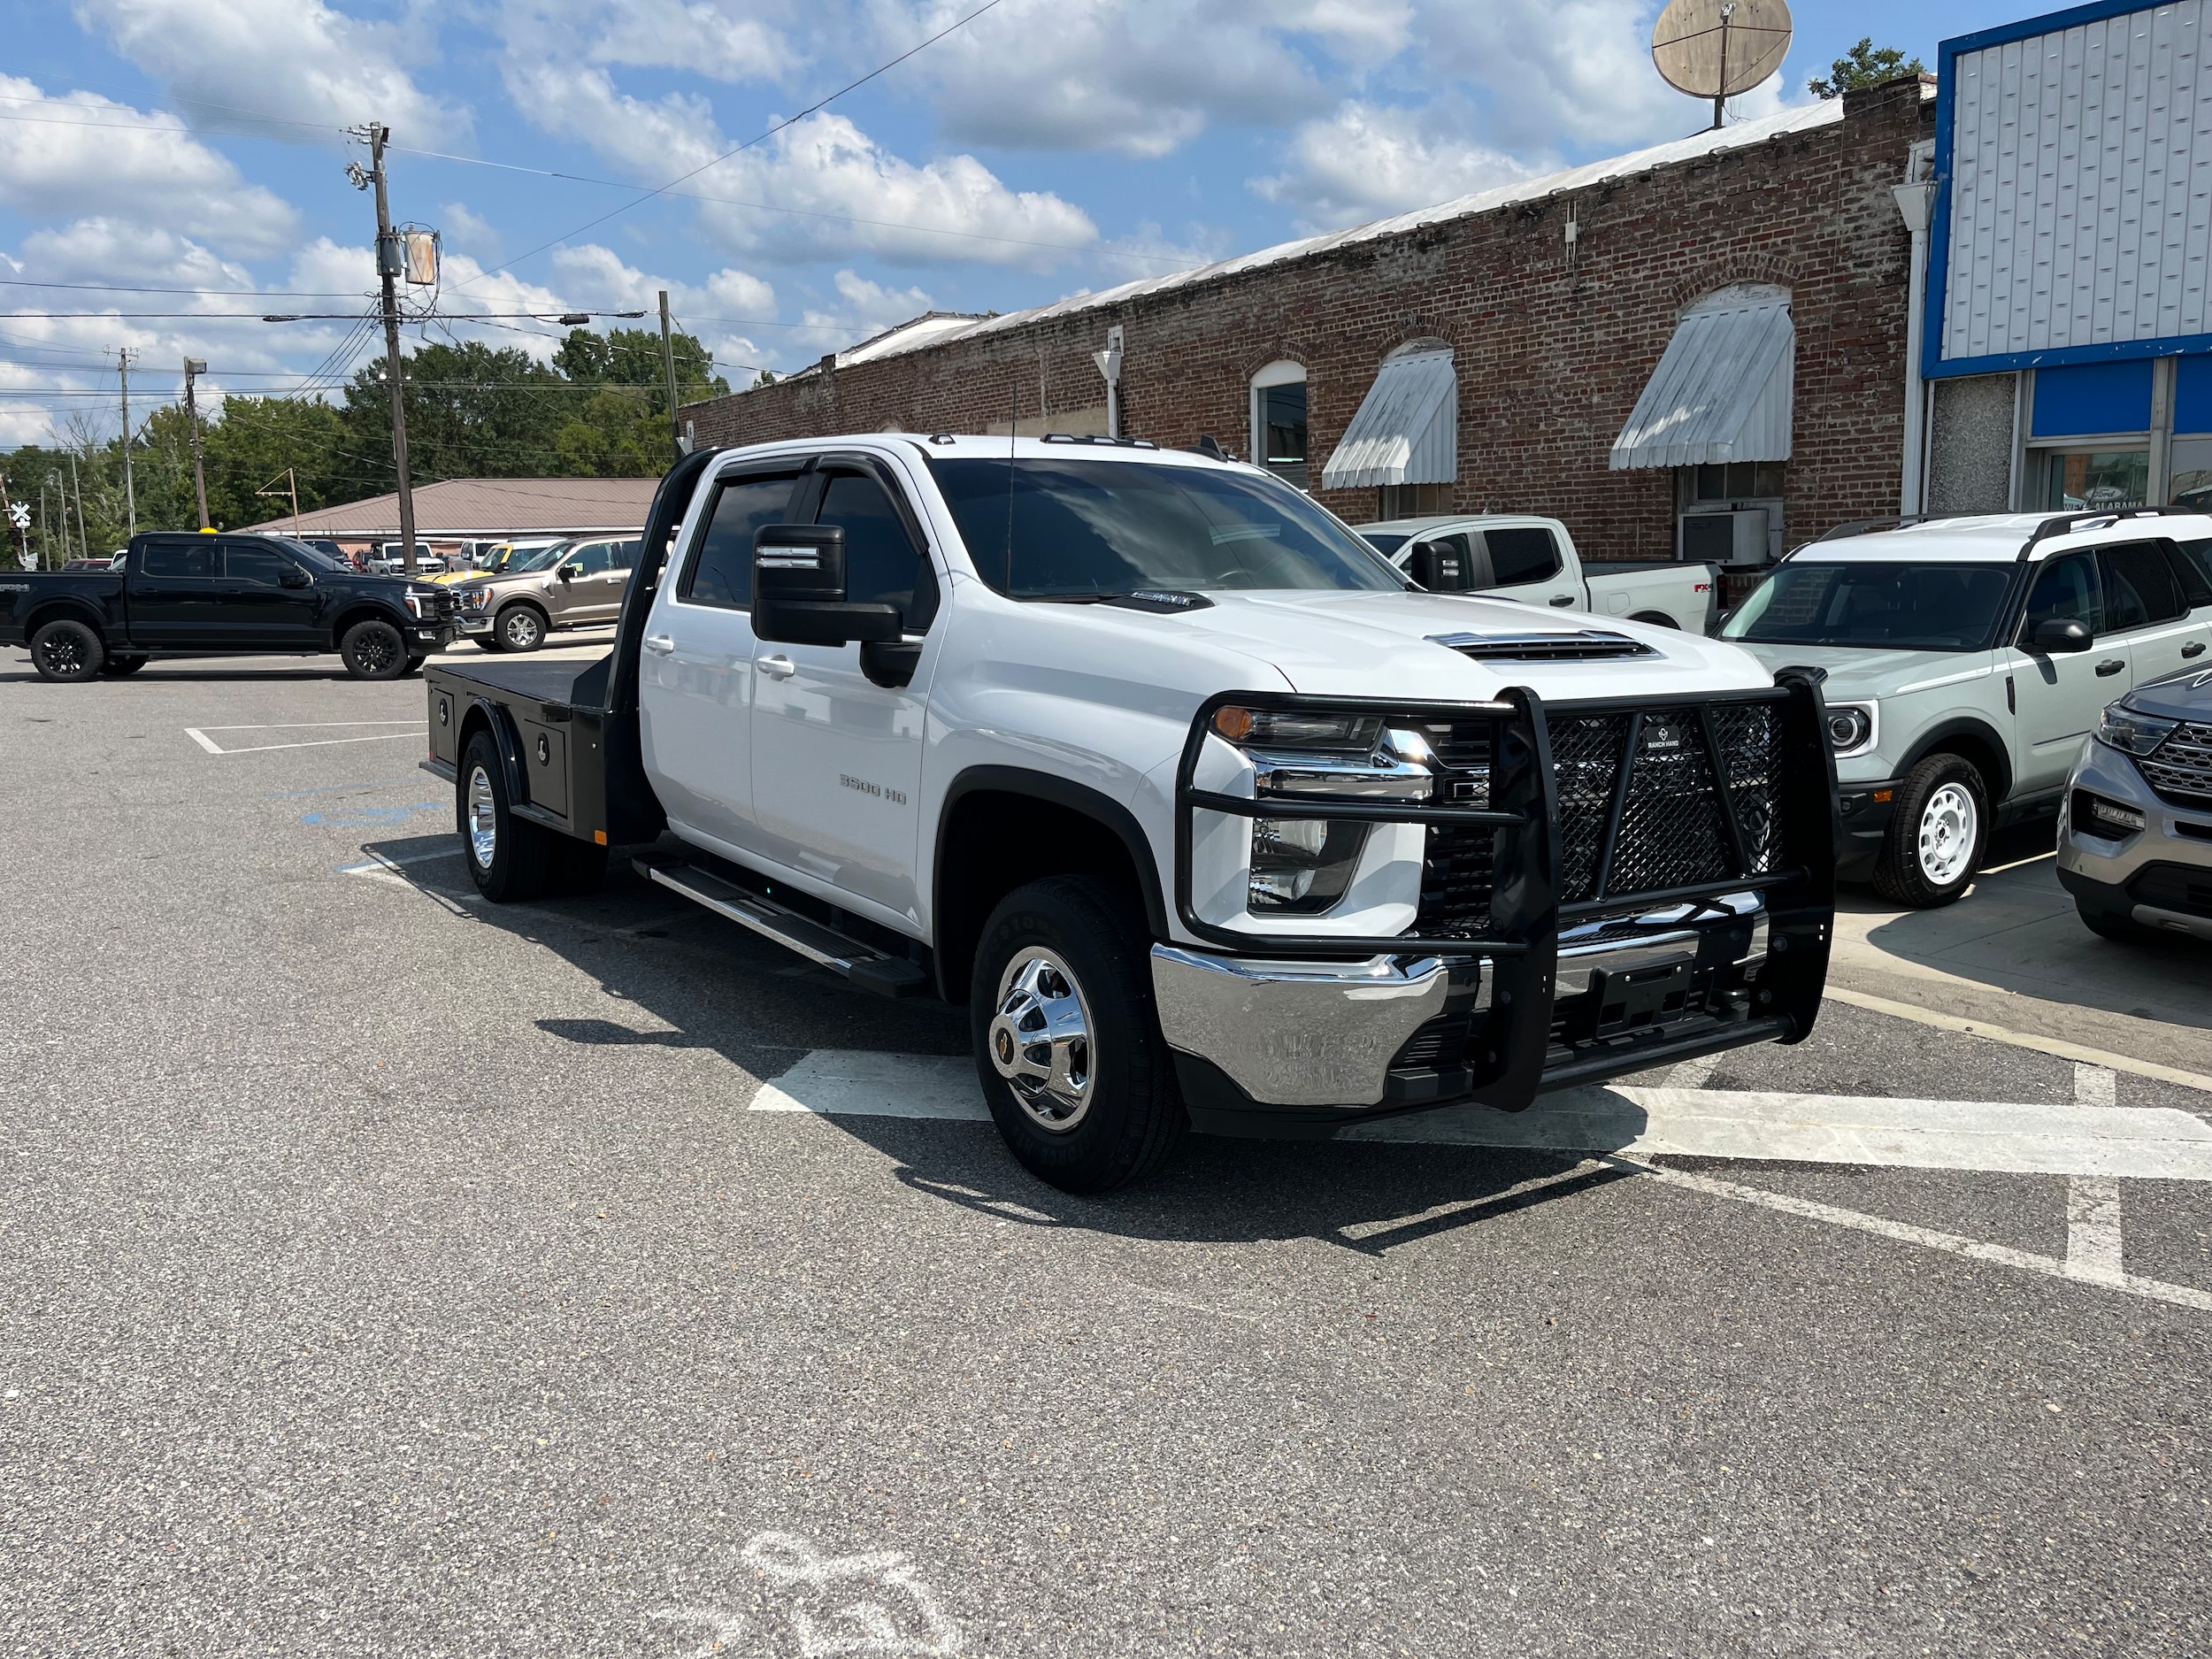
1581,646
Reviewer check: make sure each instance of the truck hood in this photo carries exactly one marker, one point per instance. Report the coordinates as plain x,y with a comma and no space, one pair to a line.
1857,671
1384,644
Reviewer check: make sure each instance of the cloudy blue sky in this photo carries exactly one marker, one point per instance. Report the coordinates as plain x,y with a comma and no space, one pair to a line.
1044,148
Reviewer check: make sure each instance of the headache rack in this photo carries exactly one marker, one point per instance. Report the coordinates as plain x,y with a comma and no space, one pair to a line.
1555,817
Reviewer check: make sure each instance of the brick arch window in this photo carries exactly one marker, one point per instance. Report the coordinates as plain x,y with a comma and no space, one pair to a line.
1278,419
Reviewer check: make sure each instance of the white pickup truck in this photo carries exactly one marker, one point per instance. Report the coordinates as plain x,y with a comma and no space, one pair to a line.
1208,816
1518,555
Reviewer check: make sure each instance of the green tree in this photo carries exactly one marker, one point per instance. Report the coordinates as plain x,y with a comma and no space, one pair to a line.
1863,66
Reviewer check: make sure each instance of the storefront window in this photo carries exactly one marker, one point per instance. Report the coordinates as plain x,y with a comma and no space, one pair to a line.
2092,479
1283,428
2189,473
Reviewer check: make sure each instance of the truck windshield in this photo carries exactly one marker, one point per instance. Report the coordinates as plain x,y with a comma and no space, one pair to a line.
1906,607
1085,527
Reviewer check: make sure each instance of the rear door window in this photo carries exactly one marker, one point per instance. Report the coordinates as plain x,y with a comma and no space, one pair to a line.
178,558
1524,553
720,572
2193,568
2139,588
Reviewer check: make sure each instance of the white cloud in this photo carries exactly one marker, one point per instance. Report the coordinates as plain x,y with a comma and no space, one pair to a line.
1365,162
1141,81
83,154
297,60
461,227
820,189
720,312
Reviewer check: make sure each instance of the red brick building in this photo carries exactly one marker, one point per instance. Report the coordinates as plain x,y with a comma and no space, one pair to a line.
1556,300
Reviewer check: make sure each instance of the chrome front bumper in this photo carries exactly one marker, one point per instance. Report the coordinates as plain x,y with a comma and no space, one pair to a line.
1326,1033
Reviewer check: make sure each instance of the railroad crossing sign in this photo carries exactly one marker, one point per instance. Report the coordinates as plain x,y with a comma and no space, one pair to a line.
19,515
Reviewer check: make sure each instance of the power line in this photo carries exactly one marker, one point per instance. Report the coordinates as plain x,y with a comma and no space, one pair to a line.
778,126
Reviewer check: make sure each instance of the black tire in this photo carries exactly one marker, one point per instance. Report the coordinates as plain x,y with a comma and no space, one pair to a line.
373,650
66,651
116,668
1932,848
520,627
1129,1118
515,861
414,666
2121,929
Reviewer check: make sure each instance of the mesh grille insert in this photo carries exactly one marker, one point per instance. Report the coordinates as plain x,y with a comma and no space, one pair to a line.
2182,767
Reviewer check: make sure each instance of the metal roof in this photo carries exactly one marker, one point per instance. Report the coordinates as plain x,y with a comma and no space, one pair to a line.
1723,389
489,507
1407,430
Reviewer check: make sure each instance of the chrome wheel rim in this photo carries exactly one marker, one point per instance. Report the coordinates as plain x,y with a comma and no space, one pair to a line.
521,629
1948,828
483,820
1039,1040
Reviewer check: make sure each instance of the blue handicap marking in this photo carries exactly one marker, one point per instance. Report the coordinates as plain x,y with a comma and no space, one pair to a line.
370,816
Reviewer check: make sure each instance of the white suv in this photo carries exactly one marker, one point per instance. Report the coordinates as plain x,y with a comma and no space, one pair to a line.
1965,661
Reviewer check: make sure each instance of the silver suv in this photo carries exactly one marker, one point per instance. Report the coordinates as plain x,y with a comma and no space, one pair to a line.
575,584
2135,834
1966,659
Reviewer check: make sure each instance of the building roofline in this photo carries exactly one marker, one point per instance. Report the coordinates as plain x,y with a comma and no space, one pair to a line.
1744,135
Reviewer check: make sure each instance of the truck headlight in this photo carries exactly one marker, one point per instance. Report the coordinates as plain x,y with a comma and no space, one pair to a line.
1304,864
2133,734
1850,726
424,606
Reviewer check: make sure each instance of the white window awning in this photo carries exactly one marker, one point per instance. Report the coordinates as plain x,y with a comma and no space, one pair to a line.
1723,391
1407,431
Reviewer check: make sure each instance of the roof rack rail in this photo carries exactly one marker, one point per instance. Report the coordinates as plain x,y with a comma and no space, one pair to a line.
2067,523
1096,437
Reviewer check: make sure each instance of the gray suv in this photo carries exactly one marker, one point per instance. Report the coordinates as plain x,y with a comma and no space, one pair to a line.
577,584
2135,833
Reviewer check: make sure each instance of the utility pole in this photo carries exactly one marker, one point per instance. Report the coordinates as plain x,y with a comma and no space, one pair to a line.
84,549
388,265
130,498
193,367
668,362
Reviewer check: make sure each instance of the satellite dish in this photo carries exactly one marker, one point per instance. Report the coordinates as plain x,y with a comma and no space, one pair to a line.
1716,48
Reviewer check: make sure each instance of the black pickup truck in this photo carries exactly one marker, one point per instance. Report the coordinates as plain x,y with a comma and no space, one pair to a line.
182,595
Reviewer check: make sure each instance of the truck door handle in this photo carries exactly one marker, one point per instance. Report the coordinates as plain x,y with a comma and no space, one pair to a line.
778,667
1564,599
659,644
2195,647
2106,669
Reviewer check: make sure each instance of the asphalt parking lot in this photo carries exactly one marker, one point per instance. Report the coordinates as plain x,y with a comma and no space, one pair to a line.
390,1273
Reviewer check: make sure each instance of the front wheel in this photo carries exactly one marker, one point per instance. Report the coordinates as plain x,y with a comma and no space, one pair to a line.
1935,835
373,650
508,859
519,628
66,651
1068,1046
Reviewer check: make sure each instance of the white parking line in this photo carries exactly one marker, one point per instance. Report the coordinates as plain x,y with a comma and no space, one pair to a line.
199,734
2056,1046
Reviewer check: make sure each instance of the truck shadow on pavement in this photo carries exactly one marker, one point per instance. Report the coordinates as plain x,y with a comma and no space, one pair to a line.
688,980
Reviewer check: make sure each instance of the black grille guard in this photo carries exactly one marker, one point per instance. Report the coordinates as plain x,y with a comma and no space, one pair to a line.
1526,916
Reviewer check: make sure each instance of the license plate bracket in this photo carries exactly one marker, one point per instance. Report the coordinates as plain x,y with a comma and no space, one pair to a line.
1634,999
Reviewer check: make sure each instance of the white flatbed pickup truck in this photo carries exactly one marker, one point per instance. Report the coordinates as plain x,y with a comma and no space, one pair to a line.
1210,817
1518,555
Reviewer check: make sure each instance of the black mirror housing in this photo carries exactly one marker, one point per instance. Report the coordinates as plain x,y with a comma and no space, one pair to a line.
2057,635
293,576
799,590
570,572
1438,568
